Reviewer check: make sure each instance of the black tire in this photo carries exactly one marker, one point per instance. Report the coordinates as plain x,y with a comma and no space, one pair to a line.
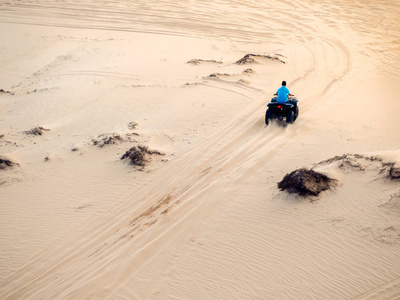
296,113
267,117
289,117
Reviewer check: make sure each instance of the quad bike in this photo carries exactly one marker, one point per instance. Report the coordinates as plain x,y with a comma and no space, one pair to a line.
288,110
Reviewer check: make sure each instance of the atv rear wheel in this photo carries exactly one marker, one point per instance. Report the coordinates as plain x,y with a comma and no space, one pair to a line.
267,116
289,117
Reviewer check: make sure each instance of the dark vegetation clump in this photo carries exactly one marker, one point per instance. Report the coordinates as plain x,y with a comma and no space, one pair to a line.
6,163
306,182
36,131
217,75
199,61
132,125
247,59
249,71
360,162
107,139
113,138
6,92
394,173
250,59
140,155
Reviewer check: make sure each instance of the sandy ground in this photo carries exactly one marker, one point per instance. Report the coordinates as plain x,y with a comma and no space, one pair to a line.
206,219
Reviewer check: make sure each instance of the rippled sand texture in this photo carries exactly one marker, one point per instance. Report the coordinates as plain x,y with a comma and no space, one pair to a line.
204,220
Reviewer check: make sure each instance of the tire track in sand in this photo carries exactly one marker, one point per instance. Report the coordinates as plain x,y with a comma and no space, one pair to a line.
101,245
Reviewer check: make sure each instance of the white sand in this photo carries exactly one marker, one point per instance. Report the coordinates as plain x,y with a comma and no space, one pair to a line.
206,220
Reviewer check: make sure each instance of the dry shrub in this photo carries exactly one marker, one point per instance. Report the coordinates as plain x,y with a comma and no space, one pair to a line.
107,139
249,71
250,59
199,61
217,75
132,125
140,155
6,92
394,173
6,163
306,182
36,131
358,162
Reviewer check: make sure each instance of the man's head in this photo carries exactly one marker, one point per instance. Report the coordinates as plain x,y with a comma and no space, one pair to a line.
284,83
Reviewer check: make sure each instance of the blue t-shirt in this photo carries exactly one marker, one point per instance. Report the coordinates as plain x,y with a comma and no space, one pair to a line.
283,93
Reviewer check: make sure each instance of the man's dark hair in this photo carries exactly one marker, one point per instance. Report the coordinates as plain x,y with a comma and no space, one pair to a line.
284,83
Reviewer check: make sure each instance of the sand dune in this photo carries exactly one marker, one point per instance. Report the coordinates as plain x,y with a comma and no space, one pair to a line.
81,84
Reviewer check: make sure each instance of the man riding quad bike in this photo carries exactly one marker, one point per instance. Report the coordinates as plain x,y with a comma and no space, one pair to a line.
284,105
288,110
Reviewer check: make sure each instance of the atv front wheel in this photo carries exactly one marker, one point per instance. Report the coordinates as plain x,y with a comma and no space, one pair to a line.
296,114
